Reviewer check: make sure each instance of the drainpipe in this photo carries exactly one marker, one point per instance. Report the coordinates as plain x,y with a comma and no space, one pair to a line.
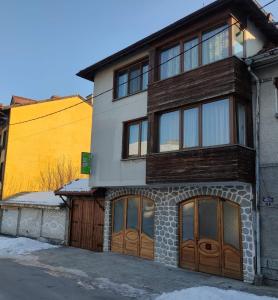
257,146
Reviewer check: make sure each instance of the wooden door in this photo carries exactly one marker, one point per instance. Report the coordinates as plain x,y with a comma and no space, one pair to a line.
210,236
208,239
133,226
87,218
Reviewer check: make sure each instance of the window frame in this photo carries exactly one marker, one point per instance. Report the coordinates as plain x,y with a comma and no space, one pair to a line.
125,137
181,40
233,137
128,68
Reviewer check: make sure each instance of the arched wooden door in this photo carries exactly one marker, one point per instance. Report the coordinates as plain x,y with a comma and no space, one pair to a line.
210,236
133,226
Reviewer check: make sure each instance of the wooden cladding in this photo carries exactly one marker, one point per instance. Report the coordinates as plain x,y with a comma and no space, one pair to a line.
223,163
224,77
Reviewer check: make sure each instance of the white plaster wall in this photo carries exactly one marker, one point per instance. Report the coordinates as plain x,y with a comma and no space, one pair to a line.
107,167
30,222
9,221
54,224
255,40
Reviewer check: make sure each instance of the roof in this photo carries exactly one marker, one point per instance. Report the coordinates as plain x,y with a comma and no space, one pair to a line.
35,199
264,59
251,6
79,187
21,100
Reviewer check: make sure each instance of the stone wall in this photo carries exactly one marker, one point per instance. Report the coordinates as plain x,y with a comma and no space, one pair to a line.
166,218
40,223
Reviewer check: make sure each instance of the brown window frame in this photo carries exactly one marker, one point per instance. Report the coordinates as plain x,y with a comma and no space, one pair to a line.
126,127
197,35
127,69
233,137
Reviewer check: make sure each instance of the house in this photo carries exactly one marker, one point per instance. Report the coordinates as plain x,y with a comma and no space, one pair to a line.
265,90
174,141
42,141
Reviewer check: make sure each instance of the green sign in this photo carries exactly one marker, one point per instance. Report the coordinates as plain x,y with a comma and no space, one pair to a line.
86,158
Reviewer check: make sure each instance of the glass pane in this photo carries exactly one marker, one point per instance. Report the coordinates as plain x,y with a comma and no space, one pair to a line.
216,123
241,124
132,214
191,127
144,137
208,219
188,221
191,54
133,147
118,216
170,62
231,224
135,79
145,76
148,218
122,84
238,41
169,131
215,45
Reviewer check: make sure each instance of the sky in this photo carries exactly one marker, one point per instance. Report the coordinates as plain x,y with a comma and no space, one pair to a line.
44,43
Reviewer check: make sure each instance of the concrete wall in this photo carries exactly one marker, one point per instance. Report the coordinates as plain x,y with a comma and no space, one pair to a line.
255,40
39,223
269,173
108,168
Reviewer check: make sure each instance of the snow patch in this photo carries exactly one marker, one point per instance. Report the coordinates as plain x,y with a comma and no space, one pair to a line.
12,247
210,293
39,198
79,185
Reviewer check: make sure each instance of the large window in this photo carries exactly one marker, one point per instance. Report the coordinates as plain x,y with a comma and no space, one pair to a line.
204,125
215,45
131,80
170,62
135,138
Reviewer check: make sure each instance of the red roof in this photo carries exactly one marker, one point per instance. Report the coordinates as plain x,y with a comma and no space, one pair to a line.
21,100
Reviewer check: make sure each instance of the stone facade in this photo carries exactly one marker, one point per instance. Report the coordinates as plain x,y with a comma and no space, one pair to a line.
166,218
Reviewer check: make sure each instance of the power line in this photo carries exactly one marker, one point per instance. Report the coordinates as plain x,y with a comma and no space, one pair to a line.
146,72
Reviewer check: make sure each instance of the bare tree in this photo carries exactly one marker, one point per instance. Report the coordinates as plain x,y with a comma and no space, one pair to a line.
57,174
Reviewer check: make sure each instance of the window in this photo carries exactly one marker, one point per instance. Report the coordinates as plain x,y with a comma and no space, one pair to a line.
131,80
191,128
191,55
215,123
215,45
241,124
170,62
169,131
238,41
205,125
135,138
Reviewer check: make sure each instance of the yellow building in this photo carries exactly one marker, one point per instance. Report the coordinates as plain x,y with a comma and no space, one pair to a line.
41,142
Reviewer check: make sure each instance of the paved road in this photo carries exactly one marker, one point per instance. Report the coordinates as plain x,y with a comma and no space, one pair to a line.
68,273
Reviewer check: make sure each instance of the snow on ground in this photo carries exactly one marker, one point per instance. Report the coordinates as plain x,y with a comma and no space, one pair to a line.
40,198
210,293
10,247
79,185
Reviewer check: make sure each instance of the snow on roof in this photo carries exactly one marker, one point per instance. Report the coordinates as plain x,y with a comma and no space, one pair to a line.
36,198
79,185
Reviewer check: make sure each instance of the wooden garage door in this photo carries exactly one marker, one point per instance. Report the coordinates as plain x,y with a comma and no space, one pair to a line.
133,226
210,236
87,217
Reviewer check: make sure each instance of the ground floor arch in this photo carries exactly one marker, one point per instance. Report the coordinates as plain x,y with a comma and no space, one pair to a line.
133,226
210,236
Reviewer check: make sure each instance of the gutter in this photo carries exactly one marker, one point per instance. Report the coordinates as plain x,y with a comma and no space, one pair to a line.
258,278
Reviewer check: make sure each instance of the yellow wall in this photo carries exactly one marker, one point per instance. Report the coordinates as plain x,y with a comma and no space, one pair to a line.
36,147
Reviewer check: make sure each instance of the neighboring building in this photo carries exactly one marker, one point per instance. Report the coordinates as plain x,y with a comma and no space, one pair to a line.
175,149
265,66
44,153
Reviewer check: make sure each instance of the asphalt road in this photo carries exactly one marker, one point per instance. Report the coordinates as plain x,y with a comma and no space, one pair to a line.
70,273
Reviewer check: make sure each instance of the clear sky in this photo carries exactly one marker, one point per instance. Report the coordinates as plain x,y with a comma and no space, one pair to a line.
44,43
